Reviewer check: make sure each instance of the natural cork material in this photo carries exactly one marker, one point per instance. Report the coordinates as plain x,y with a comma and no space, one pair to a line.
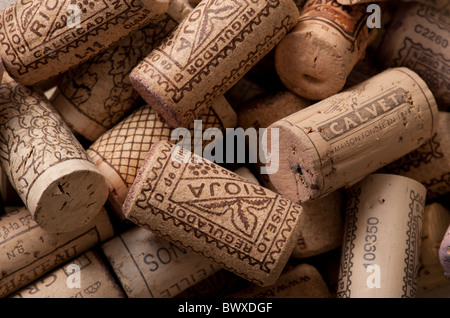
197,204
343,138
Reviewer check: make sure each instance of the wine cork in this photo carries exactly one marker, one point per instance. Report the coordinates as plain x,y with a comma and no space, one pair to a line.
47,166
148,266
430,163
418,38
87,276
190,69
315,58
323,227
97,94
243,227
444,253
380,252
119,153
29,252
343,138
63,34
435,222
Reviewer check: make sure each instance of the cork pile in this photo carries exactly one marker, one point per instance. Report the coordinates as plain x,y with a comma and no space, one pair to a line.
348,104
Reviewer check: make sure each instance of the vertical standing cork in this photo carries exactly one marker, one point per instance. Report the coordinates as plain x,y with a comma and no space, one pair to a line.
430,163
94,278
380,252
341,139
314,59
45,163
28,252
50,40
418,38
120,152
97,94
214,46
241,226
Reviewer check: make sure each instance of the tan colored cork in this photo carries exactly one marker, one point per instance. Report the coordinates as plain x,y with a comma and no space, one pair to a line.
380,252
149,266
28,252
343,138
191,201
52,41
436,219
97,94
45,163
214,46
119,153
418,38
303,281
430,163
323,227
93,276
315,58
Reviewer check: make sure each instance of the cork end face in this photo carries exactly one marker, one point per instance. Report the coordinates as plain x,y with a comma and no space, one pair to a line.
309,66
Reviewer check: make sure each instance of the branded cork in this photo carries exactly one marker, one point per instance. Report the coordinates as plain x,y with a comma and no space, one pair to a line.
343,138
418,38
119,153
323,226
430,163
380,252
214,46
61,35
97,94
315,58
444,253
28,252
45,163
87,276
149,266
302,281
243,227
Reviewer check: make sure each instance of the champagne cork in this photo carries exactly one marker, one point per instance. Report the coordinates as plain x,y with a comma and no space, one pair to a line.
29,252
87,276
380,252
214,46
47,166
60,35
315,58
148,266
302,281
418,38
430,163
444,253
120,152
436,219
323,227
243,227
97,94
340,140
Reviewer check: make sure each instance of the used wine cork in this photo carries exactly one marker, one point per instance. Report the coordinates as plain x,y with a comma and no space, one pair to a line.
47,166
149,266
323,227
302,281
444,253
87,276
97,94
436,219
343,138
214,46
380,252
430,163
418,38
315,58
63,34
242,227
29,252
119,153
